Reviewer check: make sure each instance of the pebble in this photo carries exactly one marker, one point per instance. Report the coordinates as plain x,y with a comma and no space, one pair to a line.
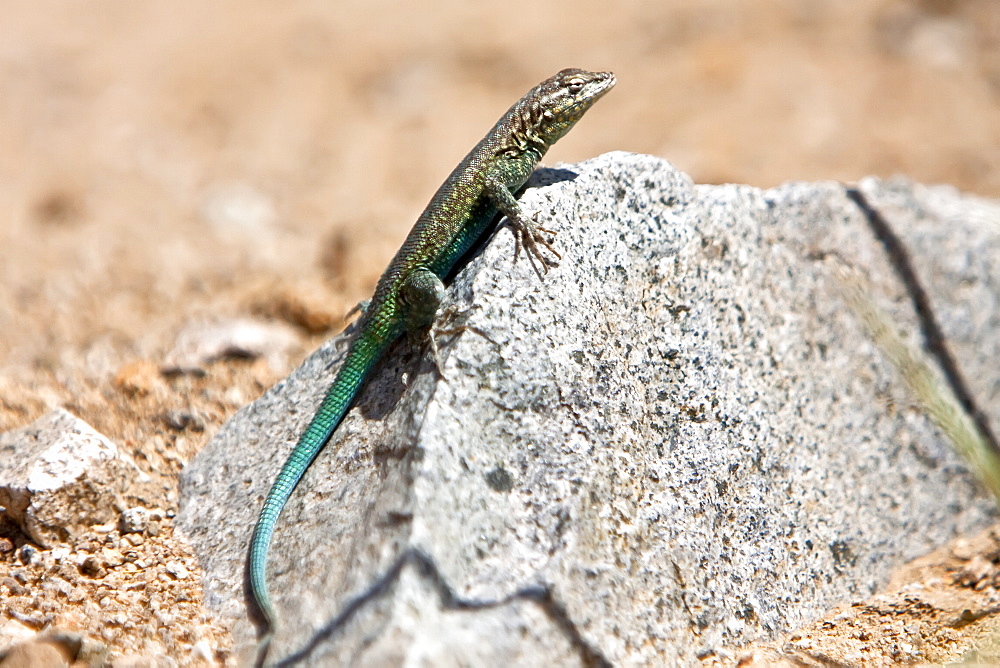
177,569
29,556
133,520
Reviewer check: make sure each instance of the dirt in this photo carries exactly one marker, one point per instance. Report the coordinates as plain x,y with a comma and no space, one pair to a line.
940,608
166,167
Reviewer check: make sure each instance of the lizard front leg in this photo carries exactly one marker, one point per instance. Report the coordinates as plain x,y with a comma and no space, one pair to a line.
527,232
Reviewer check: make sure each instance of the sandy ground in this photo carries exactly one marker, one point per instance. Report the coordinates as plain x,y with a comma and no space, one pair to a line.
171,166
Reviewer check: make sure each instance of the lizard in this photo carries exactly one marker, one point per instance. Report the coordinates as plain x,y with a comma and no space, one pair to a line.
408,295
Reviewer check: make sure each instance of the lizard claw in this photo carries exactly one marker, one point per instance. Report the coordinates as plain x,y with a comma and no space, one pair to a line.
530,236
445,327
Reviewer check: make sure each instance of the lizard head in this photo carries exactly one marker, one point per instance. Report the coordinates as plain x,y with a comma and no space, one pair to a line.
559,101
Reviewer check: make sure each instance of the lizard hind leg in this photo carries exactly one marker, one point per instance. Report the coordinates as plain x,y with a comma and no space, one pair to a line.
421,296
446,326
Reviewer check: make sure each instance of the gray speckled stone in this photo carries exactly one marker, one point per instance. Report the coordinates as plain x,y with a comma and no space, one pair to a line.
59,477
682,439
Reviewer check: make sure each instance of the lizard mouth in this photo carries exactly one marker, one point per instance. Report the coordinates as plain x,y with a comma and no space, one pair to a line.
598,89
606,85
595,91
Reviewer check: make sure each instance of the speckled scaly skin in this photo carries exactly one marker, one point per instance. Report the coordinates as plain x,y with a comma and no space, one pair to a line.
410,291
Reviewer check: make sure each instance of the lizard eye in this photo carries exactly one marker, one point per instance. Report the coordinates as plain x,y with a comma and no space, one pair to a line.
574,86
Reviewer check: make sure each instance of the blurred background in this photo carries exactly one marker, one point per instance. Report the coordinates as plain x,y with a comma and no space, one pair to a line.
161,160
220,182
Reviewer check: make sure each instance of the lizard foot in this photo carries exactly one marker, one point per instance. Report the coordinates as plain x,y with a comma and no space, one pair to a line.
528,234
447,316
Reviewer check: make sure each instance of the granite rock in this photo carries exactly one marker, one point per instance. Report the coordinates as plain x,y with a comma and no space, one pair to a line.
682,439
59,477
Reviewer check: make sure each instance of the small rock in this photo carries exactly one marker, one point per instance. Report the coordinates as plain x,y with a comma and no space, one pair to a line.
974,572
93,568
133,520
56,584
177,570
13,632
14,587
58,477
201,343
202,651
182,420
962,549
29,556
34,654
51,648
112,558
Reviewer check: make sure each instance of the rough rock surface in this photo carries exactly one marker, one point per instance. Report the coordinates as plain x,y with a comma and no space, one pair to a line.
59,477
682,439
929,609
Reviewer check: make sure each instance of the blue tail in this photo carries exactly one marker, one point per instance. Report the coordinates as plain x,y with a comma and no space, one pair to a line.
360,359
